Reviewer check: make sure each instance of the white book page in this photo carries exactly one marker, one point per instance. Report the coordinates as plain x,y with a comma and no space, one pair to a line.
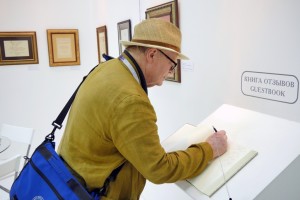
211,179
186,136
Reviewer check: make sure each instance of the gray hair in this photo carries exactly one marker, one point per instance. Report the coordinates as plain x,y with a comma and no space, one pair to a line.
137,48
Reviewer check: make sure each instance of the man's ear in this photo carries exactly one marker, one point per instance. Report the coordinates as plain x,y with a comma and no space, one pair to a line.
150,53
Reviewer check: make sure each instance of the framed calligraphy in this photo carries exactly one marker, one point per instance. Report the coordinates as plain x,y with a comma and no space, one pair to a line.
18,48
124,33
63,47
102,43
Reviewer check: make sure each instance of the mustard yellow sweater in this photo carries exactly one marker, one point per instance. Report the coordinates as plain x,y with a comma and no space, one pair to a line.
112,121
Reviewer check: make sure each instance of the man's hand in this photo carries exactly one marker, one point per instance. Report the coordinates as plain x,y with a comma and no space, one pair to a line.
218,142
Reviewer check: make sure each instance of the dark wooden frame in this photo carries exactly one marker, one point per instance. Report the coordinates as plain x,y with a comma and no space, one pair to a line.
169,12
124,26
18,48
102,42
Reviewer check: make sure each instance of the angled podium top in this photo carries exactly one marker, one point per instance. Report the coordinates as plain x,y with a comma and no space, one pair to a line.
276,140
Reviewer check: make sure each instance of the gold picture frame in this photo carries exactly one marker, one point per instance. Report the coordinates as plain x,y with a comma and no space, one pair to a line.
169,12
18,48
124,33
102,42
63,47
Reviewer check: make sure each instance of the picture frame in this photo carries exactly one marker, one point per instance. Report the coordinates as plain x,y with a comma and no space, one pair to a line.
102,42
63,47
124,33
169,12
18,48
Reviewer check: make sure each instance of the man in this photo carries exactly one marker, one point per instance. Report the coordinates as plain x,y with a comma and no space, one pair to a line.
112,121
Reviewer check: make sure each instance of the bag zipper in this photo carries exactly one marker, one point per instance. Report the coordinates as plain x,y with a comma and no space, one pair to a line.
46,180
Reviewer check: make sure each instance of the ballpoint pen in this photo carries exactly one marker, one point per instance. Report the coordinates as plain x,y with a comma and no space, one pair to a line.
215,129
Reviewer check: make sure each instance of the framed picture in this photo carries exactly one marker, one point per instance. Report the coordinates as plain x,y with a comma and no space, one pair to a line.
169,12
63,47
124,33
102,42
18,48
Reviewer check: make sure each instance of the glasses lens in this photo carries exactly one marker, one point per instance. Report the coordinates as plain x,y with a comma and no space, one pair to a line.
174,63
173,67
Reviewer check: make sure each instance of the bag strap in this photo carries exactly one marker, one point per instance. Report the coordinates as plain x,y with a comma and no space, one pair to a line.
57,123
102,191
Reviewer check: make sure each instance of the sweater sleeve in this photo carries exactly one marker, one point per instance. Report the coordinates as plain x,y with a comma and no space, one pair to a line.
134,133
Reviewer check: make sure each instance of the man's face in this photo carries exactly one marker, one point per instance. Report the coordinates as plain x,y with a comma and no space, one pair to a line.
163,64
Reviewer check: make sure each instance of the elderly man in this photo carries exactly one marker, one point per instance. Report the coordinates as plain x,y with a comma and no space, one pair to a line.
112,124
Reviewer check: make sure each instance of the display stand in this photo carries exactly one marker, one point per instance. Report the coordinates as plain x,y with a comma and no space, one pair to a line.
276,140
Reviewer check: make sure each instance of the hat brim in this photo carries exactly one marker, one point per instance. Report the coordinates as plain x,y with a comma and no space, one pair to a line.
129,43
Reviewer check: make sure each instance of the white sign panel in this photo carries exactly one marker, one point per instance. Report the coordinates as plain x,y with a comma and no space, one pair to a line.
187,65
276,87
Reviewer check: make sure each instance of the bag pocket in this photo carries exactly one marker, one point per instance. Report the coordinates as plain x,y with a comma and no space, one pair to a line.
46,177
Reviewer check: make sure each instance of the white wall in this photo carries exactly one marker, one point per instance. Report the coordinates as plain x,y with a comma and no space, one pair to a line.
32,95
222,38
262,36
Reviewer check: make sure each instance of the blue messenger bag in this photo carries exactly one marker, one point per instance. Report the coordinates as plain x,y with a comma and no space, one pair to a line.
46,175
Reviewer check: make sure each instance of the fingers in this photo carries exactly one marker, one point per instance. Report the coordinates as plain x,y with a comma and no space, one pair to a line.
222,132
220,135
218,142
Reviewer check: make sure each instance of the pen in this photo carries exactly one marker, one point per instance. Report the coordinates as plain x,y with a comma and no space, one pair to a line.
215,129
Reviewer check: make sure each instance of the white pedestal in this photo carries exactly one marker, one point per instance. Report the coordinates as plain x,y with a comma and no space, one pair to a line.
276,140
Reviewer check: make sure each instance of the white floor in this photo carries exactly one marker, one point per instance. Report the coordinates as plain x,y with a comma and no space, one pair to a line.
6,183
4,195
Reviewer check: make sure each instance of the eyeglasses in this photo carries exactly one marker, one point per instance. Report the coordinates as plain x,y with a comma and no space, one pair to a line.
173,66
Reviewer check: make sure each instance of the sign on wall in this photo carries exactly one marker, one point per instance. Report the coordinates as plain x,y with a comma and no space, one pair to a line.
276,87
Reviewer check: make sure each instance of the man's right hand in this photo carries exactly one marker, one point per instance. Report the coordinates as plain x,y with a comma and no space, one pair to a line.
218,142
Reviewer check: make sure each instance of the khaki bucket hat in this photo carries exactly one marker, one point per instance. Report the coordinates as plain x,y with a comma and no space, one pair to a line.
157,33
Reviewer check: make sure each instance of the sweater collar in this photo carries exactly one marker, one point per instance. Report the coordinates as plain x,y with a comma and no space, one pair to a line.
136,67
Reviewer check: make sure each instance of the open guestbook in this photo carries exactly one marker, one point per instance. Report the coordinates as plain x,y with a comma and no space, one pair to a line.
212,178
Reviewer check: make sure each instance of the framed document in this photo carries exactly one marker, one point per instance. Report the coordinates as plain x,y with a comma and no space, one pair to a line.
18,48
124,33
63,47
169,12
102,42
